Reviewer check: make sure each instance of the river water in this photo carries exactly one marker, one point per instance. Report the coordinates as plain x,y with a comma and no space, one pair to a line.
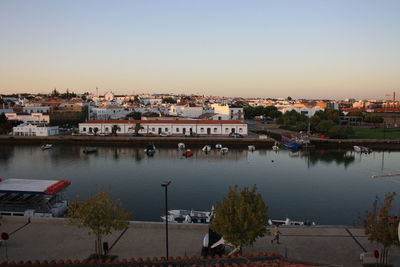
328,187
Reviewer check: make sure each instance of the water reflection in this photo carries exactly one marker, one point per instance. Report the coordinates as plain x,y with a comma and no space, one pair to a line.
328,156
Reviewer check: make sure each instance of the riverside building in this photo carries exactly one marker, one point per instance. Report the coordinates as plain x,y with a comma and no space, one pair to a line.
169,127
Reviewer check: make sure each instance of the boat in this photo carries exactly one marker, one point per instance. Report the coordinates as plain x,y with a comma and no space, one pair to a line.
290,142
362,149
150,150
275,147
46,146
206,148
252,148
218,146
89,150
33,198
224,150
181,146
187,153
188,216
289,222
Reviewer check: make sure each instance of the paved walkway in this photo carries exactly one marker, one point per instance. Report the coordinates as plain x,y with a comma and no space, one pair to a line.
48,239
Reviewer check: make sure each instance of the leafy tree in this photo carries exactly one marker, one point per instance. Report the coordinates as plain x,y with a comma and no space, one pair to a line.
373,119
289,98
137,115
54,93
100,214
241,217
338,132
138,127
169,100
356,113
5,125
114,129
324,126
382,227
151,114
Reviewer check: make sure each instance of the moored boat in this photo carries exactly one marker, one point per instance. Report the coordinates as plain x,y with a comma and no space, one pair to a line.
275,147
181,146
251,148
188,216
218,146
224,150
290,142
46,146
150,150
206,148
362,149
89,150
187,153
33,198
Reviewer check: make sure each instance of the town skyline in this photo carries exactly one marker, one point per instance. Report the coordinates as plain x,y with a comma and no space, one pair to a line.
308,49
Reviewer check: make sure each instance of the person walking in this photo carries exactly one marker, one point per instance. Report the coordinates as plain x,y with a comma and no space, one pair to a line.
277,233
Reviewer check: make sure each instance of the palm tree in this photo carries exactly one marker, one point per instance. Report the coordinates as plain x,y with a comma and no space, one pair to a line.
138,127
115,129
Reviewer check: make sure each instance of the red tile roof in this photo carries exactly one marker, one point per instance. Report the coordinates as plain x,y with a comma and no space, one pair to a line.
169,121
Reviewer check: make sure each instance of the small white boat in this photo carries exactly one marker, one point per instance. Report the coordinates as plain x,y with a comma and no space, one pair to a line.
206,148
252,148
361,149
224,150
188,216
46,146
218,146
275,147
181,146
289,222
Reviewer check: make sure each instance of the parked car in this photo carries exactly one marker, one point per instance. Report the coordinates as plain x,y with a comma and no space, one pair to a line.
150,135
163,134
137,134
236,135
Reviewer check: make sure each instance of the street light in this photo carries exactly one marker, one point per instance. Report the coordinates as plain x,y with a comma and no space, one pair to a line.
165,184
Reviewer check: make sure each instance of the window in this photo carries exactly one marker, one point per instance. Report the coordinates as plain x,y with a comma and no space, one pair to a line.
84,129
166,129
215,130
202,130
177,130
90,130
153,129
240,130
107,129
226,130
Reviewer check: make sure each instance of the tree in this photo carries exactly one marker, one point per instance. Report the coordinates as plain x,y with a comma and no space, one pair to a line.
169,100
289,98
382,227
324,126
5,125
138,127
54,93
373,119
100,214
241,217
137,115
114,129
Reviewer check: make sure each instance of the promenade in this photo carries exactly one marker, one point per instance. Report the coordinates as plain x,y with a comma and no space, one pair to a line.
53,239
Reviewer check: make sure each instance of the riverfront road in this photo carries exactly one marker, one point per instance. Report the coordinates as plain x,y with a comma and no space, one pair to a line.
53,239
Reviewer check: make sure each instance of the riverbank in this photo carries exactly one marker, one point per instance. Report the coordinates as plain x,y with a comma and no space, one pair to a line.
40,240
196,142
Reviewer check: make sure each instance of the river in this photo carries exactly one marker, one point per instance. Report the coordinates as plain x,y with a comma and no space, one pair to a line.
329,187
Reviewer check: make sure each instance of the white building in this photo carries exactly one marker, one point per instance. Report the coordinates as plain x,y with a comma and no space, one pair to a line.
34,130
36,109
233,113
309,112
170,127
185,111
33,118
109,113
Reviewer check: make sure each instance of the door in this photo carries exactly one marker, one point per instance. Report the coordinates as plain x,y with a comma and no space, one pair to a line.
208,130
184,131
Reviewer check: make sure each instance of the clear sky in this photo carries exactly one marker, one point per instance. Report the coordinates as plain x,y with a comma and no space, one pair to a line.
307,48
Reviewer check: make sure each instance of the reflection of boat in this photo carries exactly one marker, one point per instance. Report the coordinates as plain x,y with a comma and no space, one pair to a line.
46,146
206,148
89,150
252,148
150,150
224,150
275,147
188,216
187,153
289,222
181,146
218,146
362,149
33,198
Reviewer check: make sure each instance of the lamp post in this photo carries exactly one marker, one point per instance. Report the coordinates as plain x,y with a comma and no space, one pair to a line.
165,185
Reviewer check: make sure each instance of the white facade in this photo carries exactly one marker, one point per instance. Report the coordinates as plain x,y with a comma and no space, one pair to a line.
185,111
34,130
234,113
170,127
109,113
309,112
36,109
33,118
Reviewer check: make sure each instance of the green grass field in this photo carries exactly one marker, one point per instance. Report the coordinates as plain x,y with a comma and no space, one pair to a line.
376,133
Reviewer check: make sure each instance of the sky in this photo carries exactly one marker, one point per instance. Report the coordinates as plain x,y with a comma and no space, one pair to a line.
303,49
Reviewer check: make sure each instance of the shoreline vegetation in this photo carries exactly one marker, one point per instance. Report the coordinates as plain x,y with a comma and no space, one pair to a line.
377,144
